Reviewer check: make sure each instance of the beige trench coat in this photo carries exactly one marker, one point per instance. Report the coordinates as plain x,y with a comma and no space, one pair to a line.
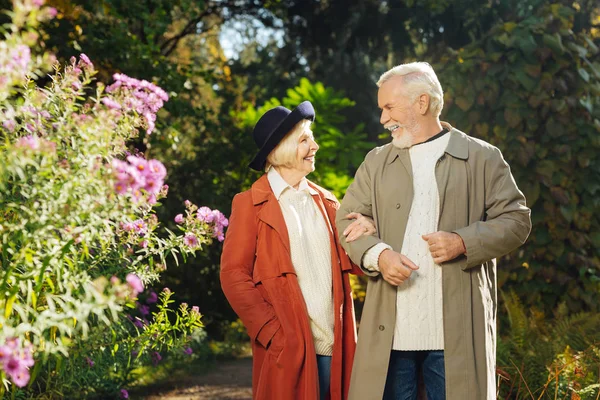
480,201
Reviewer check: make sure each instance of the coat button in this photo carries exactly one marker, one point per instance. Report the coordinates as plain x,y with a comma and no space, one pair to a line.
381,327
398,205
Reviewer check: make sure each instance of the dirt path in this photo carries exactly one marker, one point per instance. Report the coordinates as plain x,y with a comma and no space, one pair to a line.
228,380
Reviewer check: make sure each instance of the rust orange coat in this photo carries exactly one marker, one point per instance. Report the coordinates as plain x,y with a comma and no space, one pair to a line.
259,280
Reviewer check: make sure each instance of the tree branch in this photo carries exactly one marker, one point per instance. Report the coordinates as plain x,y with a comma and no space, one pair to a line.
170,44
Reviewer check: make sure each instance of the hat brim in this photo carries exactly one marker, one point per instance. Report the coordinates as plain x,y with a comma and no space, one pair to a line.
304,110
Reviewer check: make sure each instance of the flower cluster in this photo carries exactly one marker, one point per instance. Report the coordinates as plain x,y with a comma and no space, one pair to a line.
34,143
216,221
16,60
144,97
16,360
138,173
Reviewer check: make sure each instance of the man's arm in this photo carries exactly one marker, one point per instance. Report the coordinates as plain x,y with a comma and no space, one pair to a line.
357,199
507,219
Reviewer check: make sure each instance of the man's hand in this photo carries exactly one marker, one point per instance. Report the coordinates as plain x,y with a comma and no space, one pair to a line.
444,246
360,226
394,267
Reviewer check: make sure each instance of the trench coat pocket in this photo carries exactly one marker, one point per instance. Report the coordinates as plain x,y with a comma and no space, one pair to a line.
275,290
277,342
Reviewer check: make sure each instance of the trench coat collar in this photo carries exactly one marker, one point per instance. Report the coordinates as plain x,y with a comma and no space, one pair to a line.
270,212
458,146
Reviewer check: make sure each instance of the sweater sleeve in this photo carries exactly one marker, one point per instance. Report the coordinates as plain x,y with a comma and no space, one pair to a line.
237,265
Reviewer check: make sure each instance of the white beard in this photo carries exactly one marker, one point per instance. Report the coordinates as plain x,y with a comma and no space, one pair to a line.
403,142
407,139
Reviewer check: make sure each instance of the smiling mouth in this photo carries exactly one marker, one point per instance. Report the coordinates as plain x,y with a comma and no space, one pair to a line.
392,128
310,158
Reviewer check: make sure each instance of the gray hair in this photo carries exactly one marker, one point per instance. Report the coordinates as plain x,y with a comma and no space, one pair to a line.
420,78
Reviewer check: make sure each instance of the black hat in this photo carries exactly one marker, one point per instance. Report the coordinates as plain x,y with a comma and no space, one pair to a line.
272,127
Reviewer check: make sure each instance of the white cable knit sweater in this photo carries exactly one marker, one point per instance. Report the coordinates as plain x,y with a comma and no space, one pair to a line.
311,256
419,313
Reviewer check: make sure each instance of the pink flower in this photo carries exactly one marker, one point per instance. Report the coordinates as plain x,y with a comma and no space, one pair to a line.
195,309
89,362
143,244
157,169
190,240
85,60
20,377
29,141
187,203
152,199
51,12
5,353
205,214
124,394
140,227
110,103
139,163
127,226
21,55
188,351
9,125
13,343
179,218
135,283
152,185
218,233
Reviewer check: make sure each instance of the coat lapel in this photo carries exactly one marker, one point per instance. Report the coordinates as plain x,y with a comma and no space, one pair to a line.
269,210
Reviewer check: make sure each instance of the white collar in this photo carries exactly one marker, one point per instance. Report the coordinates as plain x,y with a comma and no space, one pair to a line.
278,184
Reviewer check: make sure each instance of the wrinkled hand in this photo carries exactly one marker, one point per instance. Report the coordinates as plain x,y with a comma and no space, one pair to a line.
360,226
444,246
394,267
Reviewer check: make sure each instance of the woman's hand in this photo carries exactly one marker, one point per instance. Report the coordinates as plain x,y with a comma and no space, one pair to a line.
360,226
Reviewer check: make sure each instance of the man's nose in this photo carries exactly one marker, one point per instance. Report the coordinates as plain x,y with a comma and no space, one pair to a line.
385,117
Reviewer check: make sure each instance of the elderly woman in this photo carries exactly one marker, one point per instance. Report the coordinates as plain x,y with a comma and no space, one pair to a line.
284,272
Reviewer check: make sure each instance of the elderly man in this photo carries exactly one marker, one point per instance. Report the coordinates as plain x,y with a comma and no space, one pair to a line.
446,206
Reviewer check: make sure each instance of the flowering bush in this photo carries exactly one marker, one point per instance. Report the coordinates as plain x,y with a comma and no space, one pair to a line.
80,239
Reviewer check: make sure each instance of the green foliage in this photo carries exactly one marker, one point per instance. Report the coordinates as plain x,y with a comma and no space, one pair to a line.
547,359
532,87
119,355
340,152
78,229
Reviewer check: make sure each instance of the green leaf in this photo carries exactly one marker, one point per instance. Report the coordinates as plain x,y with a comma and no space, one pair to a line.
583,74
554,42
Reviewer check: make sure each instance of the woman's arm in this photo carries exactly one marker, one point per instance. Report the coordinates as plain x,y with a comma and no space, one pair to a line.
237,264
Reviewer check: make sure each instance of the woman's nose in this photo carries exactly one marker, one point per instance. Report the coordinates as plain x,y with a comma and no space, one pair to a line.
314,145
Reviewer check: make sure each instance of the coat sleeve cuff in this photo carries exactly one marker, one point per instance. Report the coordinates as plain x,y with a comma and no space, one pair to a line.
267,332
473,245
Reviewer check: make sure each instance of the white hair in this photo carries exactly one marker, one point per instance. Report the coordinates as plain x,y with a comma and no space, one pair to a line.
419,78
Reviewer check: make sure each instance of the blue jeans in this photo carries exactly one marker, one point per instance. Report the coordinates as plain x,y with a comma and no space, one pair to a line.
403,373
324,366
